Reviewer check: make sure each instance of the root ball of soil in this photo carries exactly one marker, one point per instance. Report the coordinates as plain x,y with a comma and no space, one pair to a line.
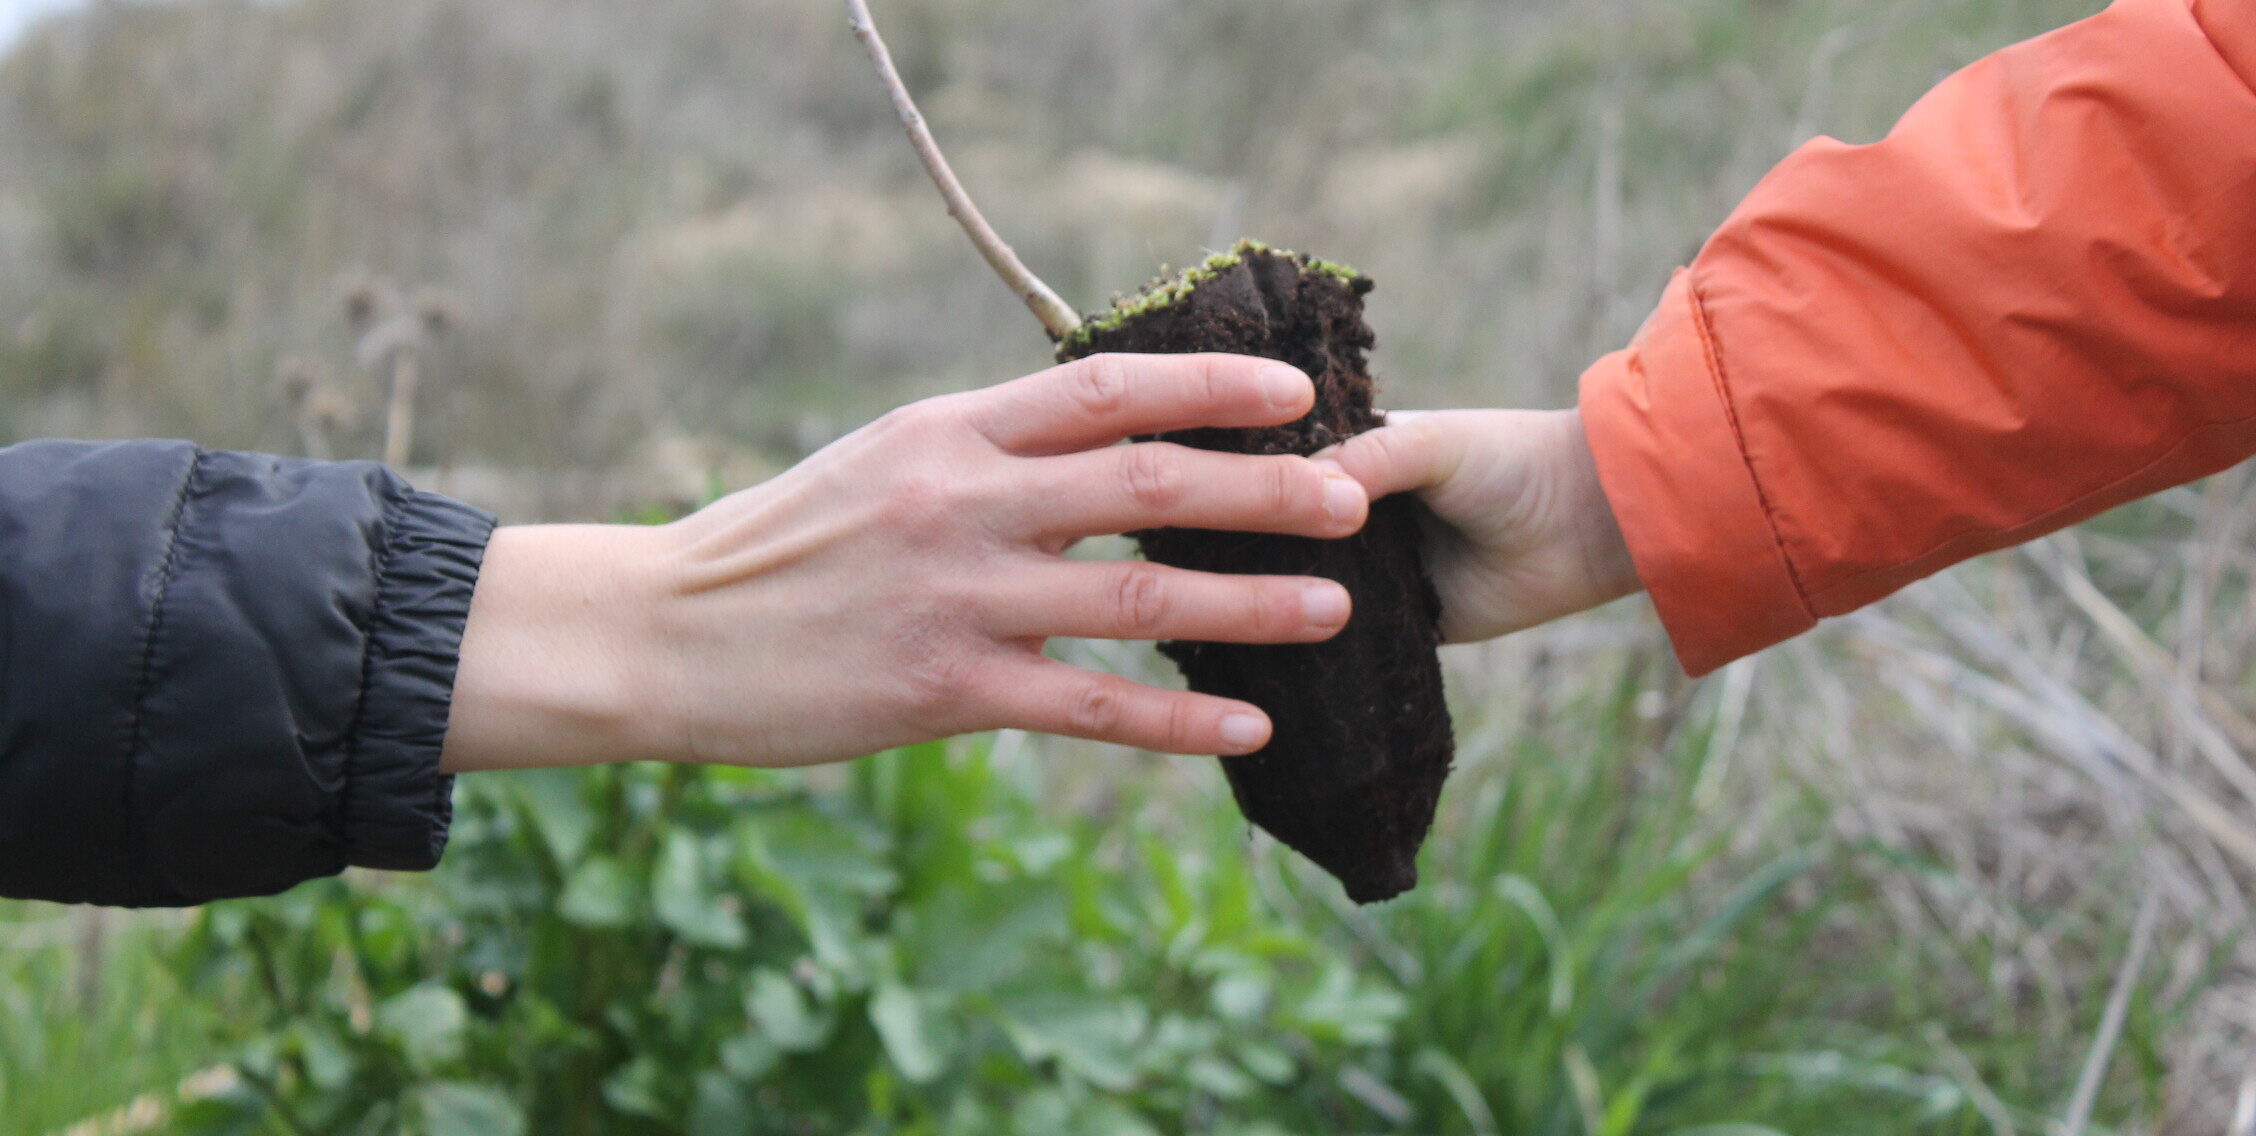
1363,738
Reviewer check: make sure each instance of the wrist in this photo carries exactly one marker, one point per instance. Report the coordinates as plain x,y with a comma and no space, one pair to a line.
556,653
1606,560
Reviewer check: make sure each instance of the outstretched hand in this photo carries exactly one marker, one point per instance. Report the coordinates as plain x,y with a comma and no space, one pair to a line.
1524,535
900,585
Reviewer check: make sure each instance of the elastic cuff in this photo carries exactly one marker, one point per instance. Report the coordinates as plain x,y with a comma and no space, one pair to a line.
1670,460
397,805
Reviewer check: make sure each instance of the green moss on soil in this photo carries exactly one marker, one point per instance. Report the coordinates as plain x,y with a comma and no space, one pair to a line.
1168,290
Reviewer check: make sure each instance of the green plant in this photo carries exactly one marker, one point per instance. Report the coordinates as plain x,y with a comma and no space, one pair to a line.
717,951
933,945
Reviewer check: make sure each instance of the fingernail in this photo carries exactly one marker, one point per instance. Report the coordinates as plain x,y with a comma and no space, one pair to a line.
1284,386
1244,731
1324,605
1343,498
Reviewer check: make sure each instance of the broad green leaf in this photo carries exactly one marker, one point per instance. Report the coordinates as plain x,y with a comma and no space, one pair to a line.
816,853
1223,1080
718,1108
1093,1037
833,925
779,1008
1350,1009
554,802
453,1108
686,900
638,1088
971,936
1240,997
1043,1111
904,1021
427,1023
750,1056
1038,852
1266,1061
598,893
1111,1118
328,1062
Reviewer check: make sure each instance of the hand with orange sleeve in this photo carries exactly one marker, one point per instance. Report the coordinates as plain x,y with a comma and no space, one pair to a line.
2033,301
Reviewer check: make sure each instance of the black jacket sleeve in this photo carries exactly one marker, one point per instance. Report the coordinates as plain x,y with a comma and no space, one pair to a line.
221,674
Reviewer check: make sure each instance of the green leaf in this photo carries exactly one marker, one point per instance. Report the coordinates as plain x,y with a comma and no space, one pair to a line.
904,1021
1346,1008
1223,1080
816,853
1522,893
968,936
1240,997
427,1024
833,924
688,903
1266,1061
1111,1118
453,1108
1093,1037
328,1063
599,893
1743,901
719,1108
779,1007
637,1089
1043,1111
1454,1080
554,802
750,1056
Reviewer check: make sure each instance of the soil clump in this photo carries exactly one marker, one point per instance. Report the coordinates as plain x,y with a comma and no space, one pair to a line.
1363,737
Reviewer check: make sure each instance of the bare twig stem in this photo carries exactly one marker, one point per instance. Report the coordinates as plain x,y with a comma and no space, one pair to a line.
1058,318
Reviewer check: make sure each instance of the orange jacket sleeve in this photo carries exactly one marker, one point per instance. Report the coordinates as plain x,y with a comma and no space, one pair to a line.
2033,301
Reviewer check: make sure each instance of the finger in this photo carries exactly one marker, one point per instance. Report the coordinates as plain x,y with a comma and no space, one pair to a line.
1153,485
1419,453
1101,399
1139,600
1054,698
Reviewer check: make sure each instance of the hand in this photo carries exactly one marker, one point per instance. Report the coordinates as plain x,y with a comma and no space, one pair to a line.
899,585
1525,533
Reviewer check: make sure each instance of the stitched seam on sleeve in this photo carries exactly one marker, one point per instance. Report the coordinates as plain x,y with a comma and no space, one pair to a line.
145,681
380,563
1720,377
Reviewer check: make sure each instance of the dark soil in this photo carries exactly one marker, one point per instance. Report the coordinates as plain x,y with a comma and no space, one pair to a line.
1363,739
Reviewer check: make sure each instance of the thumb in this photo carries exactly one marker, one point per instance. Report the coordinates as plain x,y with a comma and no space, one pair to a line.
1410,452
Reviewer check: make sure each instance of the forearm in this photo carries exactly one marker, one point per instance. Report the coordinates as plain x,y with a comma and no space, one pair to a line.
556,667
899,585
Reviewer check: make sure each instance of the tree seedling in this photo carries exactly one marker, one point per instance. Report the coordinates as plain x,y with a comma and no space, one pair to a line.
1362,738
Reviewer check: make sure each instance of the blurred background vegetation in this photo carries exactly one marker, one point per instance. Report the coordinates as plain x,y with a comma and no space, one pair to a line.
1976,860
